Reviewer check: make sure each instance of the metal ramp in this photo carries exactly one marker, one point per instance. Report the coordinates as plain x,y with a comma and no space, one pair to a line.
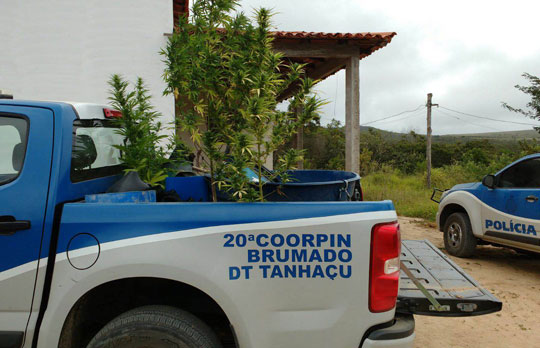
432,284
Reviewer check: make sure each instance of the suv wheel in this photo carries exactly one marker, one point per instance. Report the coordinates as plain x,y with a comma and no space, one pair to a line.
458,237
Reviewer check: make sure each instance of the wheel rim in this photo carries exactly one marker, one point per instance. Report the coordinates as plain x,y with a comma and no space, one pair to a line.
455,235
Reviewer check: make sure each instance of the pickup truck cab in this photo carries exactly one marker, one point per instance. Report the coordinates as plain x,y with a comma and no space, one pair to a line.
195,274
503,210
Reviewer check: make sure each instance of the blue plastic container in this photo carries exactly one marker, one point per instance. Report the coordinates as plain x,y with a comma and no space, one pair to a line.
305,186
309,186
190,188
314,185
122,197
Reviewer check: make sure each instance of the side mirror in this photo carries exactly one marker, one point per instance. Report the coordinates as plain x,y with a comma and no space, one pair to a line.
489,181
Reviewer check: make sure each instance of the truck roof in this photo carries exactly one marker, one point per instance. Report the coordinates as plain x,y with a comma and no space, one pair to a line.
85,111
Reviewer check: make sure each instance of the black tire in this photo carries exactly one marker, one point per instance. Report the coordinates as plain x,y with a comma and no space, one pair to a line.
155,326
458,237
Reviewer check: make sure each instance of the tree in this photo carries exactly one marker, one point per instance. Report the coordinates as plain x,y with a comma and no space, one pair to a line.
532,109
226,80
143,150
325,146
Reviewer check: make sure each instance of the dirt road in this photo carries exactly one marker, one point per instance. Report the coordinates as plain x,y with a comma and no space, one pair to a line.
512,277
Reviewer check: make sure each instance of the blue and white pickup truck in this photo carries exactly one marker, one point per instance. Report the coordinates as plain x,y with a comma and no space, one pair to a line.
194,274
502,210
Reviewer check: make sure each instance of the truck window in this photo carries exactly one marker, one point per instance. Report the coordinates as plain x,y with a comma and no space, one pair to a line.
94,154
13,137
525,174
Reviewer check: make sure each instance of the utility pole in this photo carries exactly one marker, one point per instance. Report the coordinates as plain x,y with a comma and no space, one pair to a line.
428,142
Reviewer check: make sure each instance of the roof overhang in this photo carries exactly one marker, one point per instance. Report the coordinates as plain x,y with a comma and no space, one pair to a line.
326,53
322,45
323,53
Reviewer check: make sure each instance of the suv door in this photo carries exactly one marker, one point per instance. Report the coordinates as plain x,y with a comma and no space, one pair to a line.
26,141
512,210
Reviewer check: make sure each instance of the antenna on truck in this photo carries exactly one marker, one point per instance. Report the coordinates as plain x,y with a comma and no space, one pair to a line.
5,94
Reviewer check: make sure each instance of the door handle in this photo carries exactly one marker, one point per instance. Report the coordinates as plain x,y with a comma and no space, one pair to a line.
9,225
531,199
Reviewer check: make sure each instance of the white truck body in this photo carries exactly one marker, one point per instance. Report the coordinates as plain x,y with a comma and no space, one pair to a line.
292,274
266,312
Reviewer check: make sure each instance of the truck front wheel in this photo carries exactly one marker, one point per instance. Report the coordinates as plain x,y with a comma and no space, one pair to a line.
155,326
458,237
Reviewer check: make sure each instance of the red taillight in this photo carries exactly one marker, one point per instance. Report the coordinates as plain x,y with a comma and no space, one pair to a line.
384,267
111,113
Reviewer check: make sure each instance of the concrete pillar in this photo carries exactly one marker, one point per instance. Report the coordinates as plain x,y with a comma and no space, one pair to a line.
352,115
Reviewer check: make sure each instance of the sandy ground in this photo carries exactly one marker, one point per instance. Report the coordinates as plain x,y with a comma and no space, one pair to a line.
513,278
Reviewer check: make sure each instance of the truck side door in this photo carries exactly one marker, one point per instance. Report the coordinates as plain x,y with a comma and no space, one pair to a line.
512,209
26,143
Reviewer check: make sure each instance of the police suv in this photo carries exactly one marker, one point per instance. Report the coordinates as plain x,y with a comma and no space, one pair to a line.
76,271
502,210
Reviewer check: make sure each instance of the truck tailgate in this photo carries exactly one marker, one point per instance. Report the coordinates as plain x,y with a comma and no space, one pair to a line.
457,293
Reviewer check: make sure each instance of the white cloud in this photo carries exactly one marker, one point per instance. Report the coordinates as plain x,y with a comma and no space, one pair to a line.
469,54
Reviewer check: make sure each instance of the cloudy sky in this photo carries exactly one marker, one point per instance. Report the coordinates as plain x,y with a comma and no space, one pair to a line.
469,54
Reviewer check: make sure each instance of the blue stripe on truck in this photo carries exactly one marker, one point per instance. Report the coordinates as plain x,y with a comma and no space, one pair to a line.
112,222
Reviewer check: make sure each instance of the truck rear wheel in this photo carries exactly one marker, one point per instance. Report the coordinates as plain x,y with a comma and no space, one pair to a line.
155,326
458,237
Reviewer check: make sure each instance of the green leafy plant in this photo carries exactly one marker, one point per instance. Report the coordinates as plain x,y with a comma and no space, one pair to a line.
146,149
226,79
533,107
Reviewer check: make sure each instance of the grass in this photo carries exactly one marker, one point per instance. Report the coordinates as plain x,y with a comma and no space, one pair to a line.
409,192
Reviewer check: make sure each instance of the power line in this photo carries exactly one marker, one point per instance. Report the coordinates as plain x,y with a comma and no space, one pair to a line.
489,118
469,122
398,114
459,118
421,107
417,113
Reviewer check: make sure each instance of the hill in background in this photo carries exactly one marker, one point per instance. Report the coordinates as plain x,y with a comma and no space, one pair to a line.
496,137
510,136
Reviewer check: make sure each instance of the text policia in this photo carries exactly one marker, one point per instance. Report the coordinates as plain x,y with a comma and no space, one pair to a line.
292,256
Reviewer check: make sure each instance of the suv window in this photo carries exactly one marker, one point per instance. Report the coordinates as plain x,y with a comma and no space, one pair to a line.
94,154
525,174
13,138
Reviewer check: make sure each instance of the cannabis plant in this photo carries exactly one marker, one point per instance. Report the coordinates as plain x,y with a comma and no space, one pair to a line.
146,149
226,79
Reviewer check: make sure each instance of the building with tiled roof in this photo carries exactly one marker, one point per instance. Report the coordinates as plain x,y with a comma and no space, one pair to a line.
67,50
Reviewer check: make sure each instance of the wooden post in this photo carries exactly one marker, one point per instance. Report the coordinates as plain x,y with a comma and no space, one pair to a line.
428,142
352,115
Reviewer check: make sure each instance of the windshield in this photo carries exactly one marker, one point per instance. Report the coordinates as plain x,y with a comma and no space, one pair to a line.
94,154
13,136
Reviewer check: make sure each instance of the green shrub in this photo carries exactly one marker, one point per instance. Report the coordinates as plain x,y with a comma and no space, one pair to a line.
408,191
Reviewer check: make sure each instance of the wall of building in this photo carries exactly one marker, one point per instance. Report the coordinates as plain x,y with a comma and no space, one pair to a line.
67,49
